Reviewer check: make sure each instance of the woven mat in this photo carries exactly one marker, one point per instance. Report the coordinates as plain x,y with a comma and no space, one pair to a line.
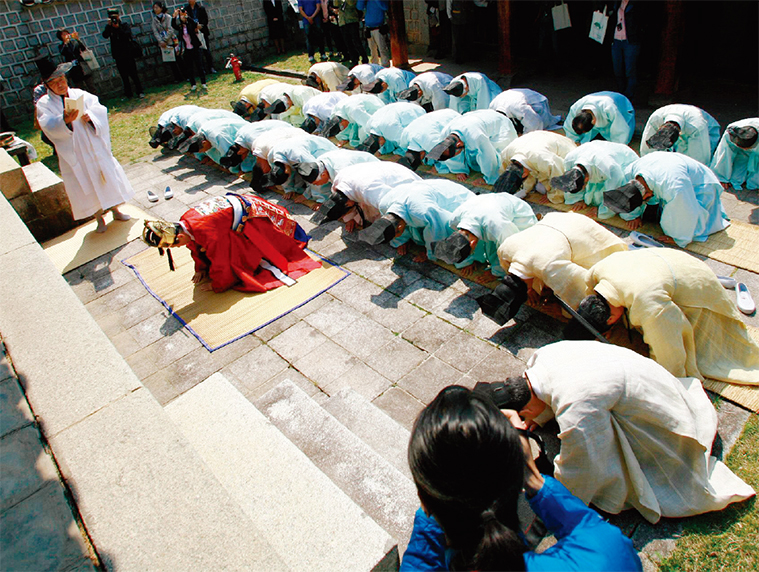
220,319
82,244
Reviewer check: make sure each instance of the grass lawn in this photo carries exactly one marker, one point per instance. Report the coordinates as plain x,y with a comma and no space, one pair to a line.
725,540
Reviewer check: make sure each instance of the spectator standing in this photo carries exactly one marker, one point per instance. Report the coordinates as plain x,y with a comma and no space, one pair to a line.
276,21
94,180
164,34
349,21
310,10
332,38
189,42
71,49
123,51
198,13
376,29
625,47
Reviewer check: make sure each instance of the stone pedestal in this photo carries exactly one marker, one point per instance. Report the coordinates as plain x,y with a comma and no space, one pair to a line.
12,181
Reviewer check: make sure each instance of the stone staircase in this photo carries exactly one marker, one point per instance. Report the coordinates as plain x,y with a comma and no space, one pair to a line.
328,487
38,196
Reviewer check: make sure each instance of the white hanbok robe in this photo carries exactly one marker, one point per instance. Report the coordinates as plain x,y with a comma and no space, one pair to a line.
357,110
299,95
334,162
167,117
298,150
221,134
205,115
247,135
322,106
332,74
699,131
688,320
184,113
735,165
557,252
366,184
688,193
390,121
492,218
251,92
481,92
426,207
365,73
529,107
615,117
432,84
93,178
606,164
428,130
485,134
396,79
542,154
632,435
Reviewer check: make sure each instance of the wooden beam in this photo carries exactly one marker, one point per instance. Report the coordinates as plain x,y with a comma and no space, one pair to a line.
398,38
666,78
505,66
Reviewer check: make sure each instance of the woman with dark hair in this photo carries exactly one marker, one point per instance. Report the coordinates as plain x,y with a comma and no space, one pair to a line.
470,462
71,49
165,36
276,21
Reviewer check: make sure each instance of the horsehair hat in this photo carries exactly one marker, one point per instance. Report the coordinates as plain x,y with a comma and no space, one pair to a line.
570,182
504,302
626,198
455,88
411,160
665,136
48,70
311,81
240,107
377,86
453,249
381,231
309,125
191,144
332,126
277,176
743,137
331,209
232,157
445,149
278,106
349,84
370,145
411,94
510,180
308,171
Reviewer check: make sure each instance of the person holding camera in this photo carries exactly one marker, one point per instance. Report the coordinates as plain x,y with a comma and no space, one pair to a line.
190,47
471,462
377,29
123,50
71,49
198,13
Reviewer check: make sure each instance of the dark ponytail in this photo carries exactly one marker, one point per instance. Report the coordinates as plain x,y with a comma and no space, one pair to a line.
467,462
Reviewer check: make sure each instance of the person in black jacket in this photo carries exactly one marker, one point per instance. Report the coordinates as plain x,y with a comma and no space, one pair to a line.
122,51
626,24
199,14
189,42
71,49
276,22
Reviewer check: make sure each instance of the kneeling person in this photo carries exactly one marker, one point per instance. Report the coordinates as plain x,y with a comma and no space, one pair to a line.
238,241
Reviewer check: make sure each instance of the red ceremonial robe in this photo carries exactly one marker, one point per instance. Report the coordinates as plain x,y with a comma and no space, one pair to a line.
232,258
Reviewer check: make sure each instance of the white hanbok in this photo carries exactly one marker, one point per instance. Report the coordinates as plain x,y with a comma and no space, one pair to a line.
93,177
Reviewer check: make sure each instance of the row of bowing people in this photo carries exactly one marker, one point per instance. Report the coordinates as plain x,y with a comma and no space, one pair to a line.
689,324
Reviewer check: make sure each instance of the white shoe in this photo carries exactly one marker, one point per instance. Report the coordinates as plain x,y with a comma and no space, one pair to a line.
193,88
152,197
643,240
727,282
744,299
167,194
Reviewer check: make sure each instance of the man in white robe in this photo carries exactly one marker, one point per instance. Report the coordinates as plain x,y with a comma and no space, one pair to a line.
358,189
319,109
632,435
326,76
527,109
423,134
350,118
162,133
471,91
685,129
289,106
606,113
388,83
362,74
320,173
240,151
736,160
94,179
293,151
386,127
247,101
554,254
691,325
426,90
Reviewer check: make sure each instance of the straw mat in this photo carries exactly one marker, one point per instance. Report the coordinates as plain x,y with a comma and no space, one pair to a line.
219,319
82,244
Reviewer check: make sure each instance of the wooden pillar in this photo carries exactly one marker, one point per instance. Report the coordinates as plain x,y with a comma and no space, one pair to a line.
398,38
666,78
504,37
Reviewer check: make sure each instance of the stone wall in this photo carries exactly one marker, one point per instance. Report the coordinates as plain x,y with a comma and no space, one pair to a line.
417,26
237,26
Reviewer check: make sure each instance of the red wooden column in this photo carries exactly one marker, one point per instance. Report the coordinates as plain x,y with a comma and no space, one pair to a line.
398,38
504,37
666,78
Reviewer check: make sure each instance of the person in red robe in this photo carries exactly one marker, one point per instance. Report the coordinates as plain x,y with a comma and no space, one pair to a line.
238,241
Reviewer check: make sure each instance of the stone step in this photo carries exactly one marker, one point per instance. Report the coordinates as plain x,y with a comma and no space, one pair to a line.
12,180
386,495
373,426
46,211
305,517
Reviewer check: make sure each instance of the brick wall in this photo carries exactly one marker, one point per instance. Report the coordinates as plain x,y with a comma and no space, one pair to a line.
417,26
236,25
